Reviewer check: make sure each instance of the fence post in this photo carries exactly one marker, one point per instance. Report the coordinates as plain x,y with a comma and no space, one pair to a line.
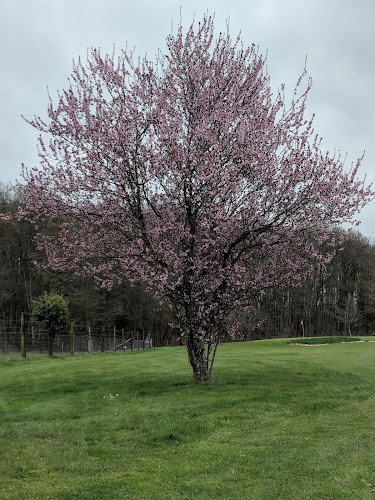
132,341
23,350
114,338
72,338
123,339
143,339
89,341
102,340
33,336
137,340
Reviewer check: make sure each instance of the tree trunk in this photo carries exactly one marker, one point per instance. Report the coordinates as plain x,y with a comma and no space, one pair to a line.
198,360
51,339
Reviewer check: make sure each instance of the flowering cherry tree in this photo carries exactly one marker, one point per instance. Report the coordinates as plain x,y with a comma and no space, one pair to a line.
188,174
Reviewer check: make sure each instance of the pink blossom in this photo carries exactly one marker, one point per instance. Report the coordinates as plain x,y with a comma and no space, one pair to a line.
189,175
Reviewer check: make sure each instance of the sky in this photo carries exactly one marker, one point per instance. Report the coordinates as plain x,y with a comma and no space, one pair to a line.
40,38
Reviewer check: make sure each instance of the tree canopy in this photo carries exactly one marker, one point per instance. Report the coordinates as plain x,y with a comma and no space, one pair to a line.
188,174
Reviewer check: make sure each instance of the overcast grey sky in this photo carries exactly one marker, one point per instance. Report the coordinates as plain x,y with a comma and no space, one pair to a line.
39,39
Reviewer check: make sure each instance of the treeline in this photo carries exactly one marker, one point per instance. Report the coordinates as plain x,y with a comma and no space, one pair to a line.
337,300
127,307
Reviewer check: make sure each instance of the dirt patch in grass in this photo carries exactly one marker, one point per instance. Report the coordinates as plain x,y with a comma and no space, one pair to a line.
307,345
314,341
316,345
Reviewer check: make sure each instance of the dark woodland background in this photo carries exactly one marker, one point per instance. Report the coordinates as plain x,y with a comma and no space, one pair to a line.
339,300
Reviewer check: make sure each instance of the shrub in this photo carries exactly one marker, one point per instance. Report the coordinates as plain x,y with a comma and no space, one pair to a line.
54,310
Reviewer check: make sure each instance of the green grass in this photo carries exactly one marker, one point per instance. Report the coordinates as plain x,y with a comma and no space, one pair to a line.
277,421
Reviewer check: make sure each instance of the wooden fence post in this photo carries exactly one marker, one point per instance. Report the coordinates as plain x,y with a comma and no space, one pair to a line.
33,336
114,338
23,350
72,338
123,339
89,341
143,339
137,340
102,340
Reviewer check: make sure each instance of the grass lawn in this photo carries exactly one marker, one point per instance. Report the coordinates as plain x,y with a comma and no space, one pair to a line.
277,421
